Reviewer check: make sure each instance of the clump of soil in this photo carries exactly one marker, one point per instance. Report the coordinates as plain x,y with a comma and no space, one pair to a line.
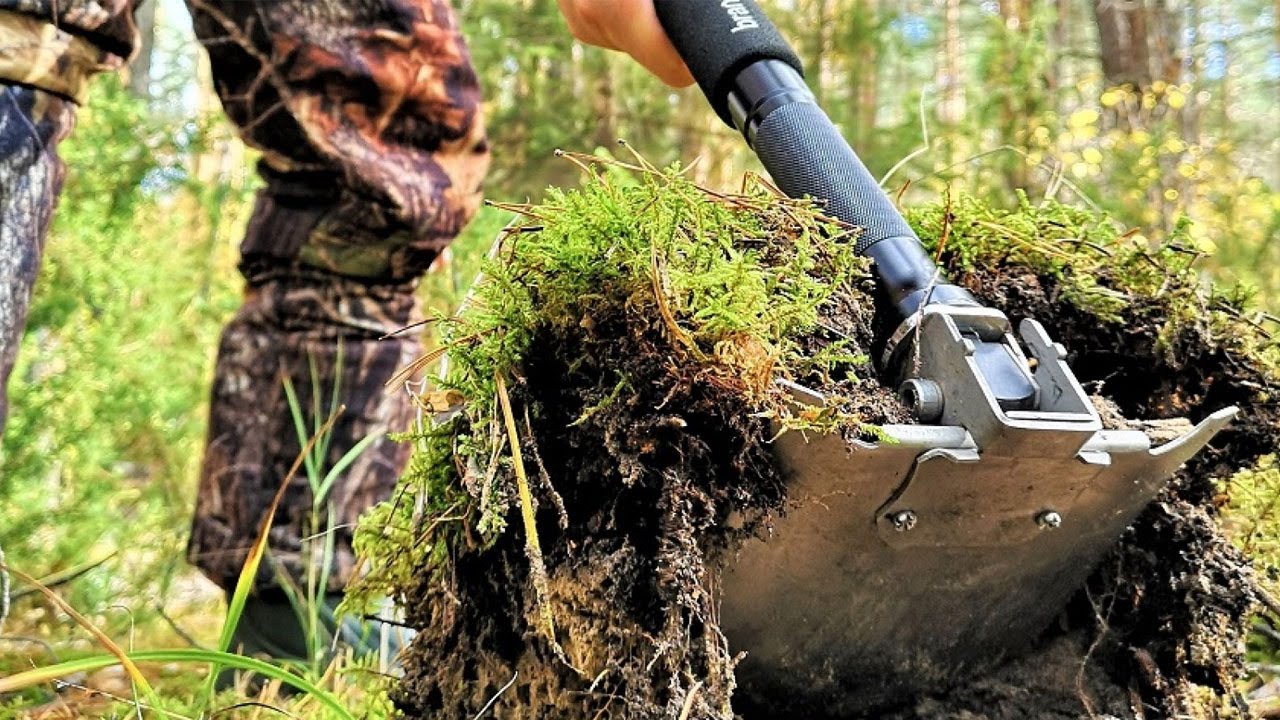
635,329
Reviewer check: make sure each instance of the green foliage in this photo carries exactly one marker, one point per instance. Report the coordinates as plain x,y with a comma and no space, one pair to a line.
408,533
1252,516
108,398
1130,152
308,600
322,665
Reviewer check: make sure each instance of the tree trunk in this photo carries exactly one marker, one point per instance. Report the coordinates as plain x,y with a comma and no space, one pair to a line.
140,68
864,88
820,15
1122,40
950,81
1016,13
604,103
1018,98
1165,40
1061,39
1191,114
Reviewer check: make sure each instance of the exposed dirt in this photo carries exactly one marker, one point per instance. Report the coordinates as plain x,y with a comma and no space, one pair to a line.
645,485
654,483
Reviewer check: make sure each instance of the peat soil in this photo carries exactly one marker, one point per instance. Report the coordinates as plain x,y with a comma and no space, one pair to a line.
644,487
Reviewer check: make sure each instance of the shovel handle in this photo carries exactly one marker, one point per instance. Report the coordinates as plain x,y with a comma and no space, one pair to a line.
755,82
718,39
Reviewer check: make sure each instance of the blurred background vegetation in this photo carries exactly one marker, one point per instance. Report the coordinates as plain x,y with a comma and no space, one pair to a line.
1152,110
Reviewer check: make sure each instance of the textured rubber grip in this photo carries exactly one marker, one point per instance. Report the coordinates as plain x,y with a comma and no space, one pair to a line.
806,155
718,38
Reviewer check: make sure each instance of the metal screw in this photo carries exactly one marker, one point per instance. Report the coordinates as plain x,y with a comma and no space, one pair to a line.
1049,519
903,520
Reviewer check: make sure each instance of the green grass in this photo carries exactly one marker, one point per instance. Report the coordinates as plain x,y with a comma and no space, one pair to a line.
306,677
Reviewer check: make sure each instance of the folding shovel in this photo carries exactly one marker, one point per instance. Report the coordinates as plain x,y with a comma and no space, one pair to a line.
958,542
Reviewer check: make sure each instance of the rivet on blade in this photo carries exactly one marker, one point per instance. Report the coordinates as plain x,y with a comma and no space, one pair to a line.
903,520
1049,519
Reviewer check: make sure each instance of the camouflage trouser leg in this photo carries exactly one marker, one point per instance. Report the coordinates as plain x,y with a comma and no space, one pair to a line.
373,150
32,123
44,71
321,332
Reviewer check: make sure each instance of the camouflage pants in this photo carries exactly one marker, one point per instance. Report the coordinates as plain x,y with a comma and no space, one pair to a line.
367,115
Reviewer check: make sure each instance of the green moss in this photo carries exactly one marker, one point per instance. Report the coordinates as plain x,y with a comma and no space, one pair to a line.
1100,267
732,283
719,271
1252,515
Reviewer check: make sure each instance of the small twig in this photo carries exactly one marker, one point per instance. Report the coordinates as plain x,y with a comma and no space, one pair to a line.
518,209
173,625
543,475
388,621
897,199
59,579
33,641
409,327
330,531
253,704
948,219
493,700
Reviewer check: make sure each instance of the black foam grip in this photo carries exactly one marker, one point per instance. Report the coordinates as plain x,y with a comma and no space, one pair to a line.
718,38
806,155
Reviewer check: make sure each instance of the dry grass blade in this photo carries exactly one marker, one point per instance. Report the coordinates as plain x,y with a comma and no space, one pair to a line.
414,367
252,704
664,309
421,363
134,673
532,546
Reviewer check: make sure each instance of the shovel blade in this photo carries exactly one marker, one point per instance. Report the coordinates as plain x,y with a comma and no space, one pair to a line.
899,565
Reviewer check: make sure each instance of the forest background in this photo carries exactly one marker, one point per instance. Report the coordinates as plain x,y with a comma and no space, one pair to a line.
1158,112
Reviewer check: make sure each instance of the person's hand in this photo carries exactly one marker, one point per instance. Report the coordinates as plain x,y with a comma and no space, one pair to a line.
630,26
